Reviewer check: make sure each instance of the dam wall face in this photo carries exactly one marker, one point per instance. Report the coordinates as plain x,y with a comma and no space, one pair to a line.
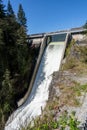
42,48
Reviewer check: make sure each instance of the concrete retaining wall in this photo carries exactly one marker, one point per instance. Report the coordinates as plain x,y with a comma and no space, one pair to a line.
66,42
42,48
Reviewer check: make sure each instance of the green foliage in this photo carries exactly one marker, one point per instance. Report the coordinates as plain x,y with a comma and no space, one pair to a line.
83,87
21,16
83,51
7,89
6,107
73,123
76,57
10,11
17,61
50,123
71,63
63,121
21,35
10,31
54,124
44,127
80,88
2,11
6,97
68,49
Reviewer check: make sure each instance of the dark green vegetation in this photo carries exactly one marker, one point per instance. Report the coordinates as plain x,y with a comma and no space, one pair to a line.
17,60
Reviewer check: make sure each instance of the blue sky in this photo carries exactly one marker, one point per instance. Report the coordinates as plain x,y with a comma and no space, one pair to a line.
52,15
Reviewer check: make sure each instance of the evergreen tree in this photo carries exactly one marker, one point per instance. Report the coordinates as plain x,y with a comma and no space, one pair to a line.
1,36
21,16
2,11
21,35
10,11
6,83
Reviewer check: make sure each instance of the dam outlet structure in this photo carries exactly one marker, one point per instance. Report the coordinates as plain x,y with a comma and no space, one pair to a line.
50,61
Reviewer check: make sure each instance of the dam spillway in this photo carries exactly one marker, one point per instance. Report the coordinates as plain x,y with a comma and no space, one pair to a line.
50,62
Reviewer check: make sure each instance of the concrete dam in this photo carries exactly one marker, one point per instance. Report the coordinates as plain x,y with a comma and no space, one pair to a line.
49,60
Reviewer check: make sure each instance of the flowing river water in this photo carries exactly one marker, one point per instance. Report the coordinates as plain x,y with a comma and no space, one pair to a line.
50,63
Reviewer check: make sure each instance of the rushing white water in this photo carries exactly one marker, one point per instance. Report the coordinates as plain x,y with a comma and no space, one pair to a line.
50,63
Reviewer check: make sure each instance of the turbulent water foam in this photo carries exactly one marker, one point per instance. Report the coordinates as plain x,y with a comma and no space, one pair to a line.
37,100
